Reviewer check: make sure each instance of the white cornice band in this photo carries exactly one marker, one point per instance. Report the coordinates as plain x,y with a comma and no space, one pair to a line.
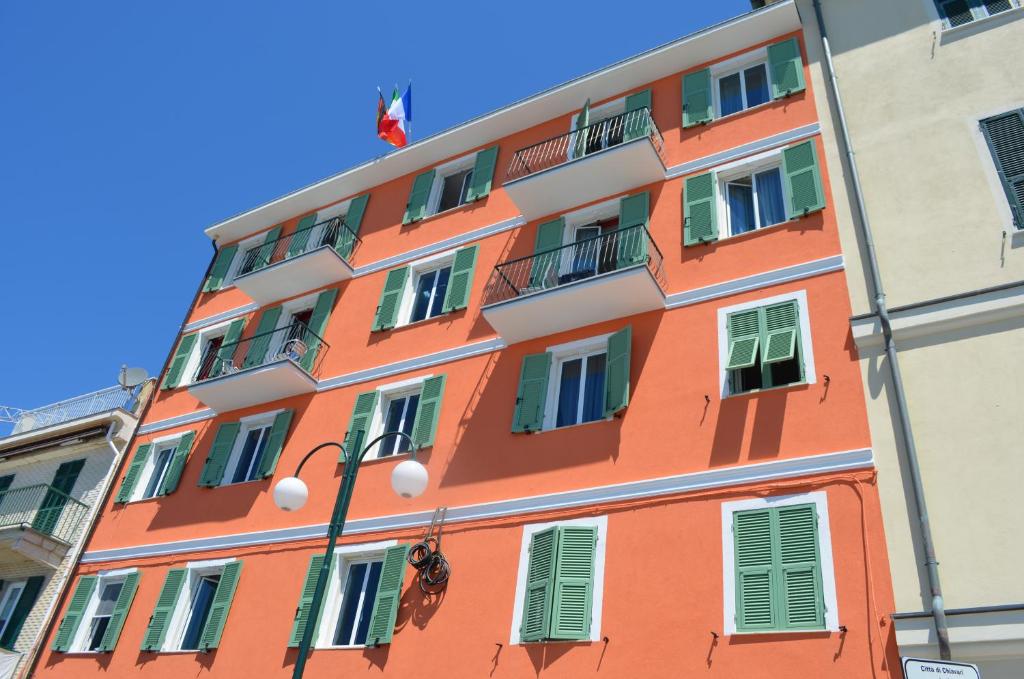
737,152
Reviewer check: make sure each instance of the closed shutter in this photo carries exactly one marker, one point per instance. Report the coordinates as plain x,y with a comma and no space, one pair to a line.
700,214
318,326
616,389
483,174
786,68
427,411
416,208
73,615
261,256
540,583
631,247
275,443
21,611
755,575
799,568
533,392
544,265
177,464
300,239
153,639
220,451
781,328
120,612
353,220
359,423
259,343
181,356
57,497
131,476
460,282
638,115
744,335
1005,136
229,346
574,583
697,102
302,611
390,299
389,592
220,606
220,268
804,193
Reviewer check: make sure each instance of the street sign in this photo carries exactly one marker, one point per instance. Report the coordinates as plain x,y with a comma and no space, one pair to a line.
919,668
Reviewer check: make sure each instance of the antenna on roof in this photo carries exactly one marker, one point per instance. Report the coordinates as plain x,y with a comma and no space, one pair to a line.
129,378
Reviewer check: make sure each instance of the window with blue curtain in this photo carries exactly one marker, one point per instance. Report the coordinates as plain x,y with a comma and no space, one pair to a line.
754,201
581,390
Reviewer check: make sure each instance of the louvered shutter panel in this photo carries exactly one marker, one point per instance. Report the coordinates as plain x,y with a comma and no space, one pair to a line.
801,598
744,335
260,257
416,208
461,280
21,611
544,265
579,144
786,68
302,611
220,268
318,327
804,193
755,576
390,299
131,476
1005,136
483,174
177,365
177,464
697,102
220,606
346,241
275,443
153,639
700,214
631,247
574,582
73,615
300,239
220,451
616,385
229,346
120,612
533,391
781,327
427,411
540,584
638,115
259,343
389,592
359,423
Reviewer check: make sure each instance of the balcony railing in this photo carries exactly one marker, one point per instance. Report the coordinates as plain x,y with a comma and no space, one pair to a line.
586,141
44,508
74,408
295,343
333,232
626,247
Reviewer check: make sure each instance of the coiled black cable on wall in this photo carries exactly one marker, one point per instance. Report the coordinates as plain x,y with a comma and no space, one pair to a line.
427,558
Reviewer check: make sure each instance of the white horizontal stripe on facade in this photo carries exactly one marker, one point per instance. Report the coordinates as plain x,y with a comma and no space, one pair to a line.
743,150
621,492
222,316
197,416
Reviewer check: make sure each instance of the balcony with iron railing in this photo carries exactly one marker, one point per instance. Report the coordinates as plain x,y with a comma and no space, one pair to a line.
75,408
612,275
38,522
605,158
309,259
265,367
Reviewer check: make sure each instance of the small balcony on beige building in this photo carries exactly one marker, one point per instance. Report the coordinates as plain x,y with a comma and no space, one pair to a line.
38,524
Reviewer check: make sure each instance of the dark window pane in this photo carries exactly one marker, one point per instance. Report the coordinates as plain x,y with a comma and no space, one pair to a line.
746,379
163,458
200,611
212,365
350,604
756,80
584,259
369,596
412,403
249,459
729,94
422,303
467,181
439,291
593,390
569,393
452,191
741,207
99,628
786,372
771,208
996,6
957,12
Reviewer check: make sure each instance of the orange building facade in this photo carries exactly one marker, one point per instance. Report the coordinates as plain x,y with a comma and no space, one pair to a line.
614,320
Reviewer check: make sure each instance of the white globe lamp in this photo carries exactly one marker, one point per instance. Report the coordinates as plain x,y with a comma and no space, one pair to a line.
291,493
409,478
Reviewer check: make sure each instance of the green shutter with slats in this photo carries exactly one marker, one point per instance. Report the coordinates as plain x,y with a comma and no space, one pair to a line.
259,343
390,299
153,639
532,393
389,592
181,356
574,583
261,256
220,268
786,68
781,328
803,188
427,411
544,264
353,220
220,451
460,282
306,600
131,476
318,326
300,239
799,568
416,208
177,464
483,174
632,242
21,611
1005,136
697,102
579,148
220,606
637,118
540,583
744,336
229,346
755,574
616,386
73,615
700,213
275,443
359,423
120,612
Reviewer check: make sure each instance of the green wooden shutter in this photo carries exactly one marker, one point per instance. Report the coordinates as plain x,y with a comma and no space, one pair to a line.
259,344
786,68
5,483
544,265
804,193
153,639
318,325
700,213
306,601
220,268
540,584
359,423
755,576
220,606
580,125
416,208
460,282
177,464
574,582
181,355
483,174
229,346
390,299
1005,137
353,219
275,443
632,242
616,385
21,611
638,121
58,496
744,335
799,569
427,411
781,329
121,607
533,392
265,252
73,615
389,592
300,239
697,101
131,476
220,451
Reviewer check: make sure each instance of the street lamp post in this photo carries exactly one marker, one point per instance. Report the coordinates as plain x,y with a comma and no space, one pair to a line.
408,479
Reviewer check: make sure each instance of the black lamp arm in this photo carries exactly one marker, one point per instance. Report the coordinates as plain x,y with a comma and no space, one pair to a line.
345,454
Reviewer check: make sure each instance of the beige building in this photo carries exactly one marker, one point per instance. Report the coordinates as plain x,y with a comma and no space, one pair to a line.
933,94
56,465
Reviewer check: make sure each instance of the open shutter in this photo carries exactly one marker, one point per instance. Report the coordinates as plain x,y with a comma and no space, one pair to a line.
697,106
461,280
574,582
755,577
153,639
275,443
427,411
359,423
131,476
300,239
803,179
483,174
229,347
121,607
73,615
700,216
544,265
416,208
353,219
786,68
181,355
638,115
261,256
632,242
21,611
318,326
177,464
579,144
744,337
781,321
220,451
259,344
220,268
533,392
390,299
220,606
302,611
1005,136
799,567
616,386
389,592
540,583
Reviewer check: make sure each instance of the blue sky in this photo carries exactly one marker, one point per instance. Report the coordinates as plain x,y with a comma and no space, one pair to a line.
127,127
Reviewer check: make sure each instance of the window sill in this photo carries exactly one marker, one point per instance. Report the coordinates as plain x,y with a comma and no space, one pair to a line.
444,212
1016,237
782,632
570,426
413,324
765,390
369,460
358,647
953,33
746,235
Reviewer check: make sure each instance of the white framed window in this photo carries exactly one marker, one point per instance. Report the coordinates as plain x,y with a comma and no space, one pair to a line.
154,471
956,13
576,384
8,601
351,592
396,411
425,288
97,614
590,254
605,128
250,445
451,185
741,83
207,343
750,194
238,262
192,609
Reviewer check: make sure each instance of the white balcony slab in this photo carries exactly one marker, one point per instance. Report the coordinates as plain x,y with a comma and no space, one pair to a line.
251,386
293,276
22,543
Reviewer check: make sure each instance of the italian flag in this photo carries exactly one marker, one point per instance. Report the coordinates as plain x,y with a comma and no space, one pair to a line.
394,121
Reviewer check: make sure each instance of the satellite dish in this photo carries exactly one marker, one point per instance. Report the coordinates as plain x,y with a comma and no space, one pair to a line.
129,378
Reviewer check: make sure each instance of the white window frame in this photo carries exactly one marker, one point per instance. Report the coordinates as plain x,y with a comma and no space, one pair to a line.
608,109
578,219
417,269
79,643
561,353
946,27
345,556
385,394
741,168
146,473
259,421
806,350
828,575
179,618
236,261
441,172
339,209
196,355
5,596
738,64
596,604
